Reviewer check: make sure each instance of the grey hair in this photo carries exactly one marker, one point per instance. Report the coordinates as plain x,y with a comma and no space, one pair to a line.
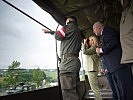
98,23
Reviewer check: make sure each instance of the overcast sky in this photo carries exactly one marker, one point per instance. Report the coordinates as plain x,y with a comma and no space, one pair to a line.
22,39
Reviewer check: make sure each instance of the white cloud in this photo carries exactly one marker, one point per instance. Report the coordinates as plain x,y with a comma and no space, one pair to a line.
22,39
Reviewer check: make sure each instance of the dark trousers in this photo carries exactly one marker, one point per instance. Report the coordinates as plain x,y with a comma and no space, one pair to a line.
123,83
69,85
112,86
110,81
131,65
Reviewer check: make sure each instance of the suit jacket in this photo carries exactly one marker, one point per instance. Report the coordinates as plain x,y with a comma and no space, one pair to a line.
111,47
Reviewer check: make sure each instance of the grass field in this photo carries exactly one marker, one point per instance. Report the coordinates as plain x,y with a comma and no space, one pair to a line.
52,74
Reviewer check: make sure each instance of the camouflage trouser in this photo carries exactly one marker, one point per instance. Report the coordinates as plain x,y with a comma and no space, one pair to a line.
93,80
69,83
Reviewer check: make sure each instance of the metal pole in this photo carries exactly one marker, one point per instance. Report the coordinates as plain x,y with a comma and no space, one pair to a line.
58,72
25,14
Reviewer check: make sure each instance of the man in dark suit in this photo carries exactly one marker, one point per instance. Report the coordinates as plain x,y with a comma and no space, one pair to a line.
111,53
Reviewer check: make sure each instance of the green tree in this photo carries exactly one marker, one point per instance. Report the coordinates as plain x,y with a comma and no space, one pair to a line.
14,65
12,73
38,76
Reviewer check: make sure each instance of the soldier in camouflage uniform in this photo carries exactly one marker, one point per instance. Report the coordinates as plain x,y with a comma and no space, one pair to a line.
70,37
92,64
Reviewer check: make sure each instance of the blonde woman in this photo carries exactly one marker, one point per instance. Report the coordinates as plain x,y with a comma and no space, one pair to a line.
92,64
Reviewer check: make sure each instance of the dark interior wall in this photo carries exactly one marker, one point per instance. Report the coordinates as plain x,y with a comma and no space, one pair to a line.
52,93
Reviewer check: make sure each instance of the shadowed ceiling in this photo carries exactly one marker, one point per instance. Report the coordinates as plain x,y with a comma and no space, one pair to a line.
86,11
